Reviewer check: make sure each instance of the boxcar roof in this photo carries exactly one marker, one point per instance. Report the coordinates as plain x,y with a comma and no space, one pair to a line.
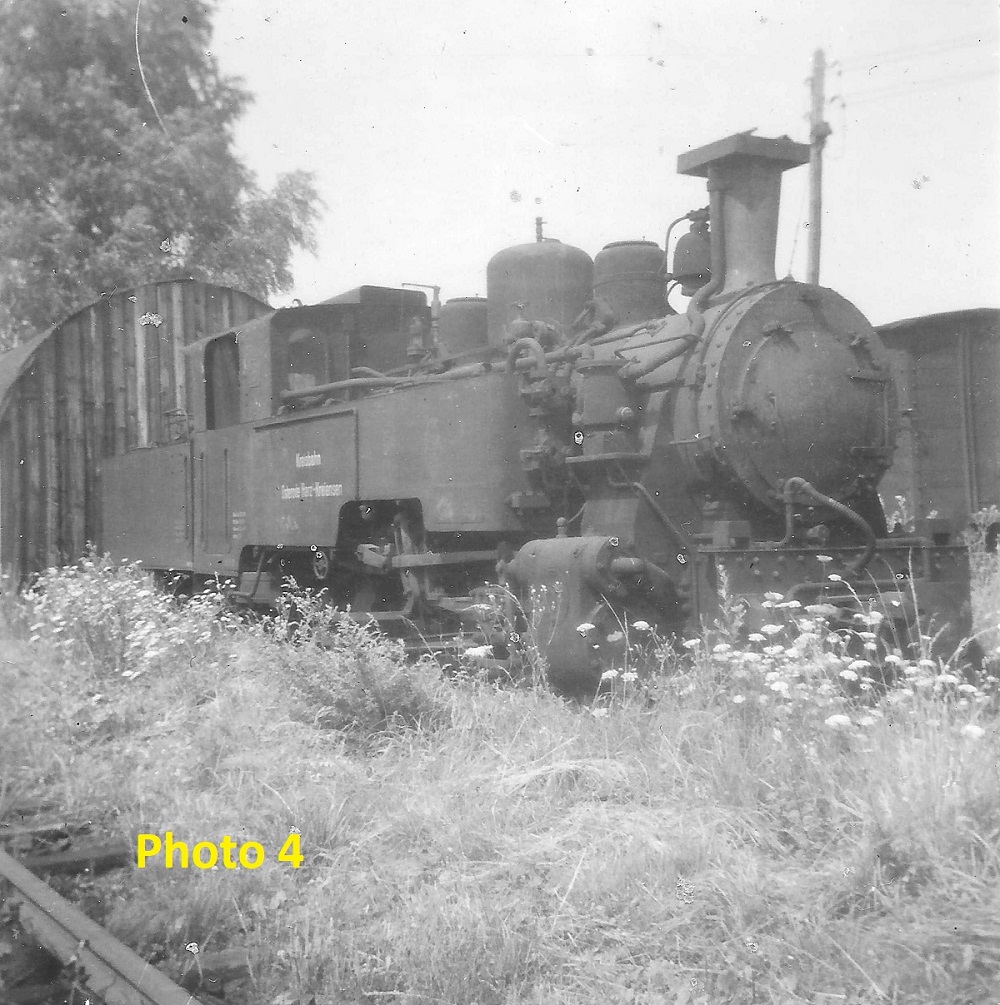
377,294
972,314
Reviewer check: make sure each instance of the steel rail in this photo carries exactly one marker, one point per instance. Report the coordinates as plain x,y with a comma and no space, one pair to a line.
112,971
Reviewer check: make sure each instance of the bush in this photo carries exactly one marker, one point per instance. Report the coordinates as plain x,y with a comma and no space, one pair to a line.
114,620
347,673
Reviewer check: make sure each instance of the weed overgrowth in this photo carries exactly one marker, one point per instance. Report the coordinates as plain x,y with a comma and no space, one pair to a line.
810,817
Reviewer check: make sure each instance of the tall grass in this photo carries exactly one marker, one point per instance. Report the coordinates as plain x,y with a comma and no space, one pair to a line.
746,824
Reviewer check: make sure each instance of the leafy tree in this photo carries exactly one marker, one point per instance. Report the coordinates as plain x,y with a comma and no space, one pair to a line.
118,169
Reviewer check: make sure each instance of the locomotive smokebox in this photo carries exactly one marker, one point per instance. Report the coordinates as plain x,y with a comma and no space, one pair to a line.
744,180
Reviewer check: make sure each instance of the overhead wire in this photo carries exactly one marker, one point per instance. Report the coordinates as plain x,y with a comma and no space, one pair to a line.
887,90
913,52
904,89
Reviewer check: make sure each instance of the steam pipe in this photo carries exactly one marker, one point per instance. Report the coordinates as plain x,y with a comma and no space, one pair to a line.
531,347
635,370
801,485
619,333
666,243
697,304
341,385
458,372
789,521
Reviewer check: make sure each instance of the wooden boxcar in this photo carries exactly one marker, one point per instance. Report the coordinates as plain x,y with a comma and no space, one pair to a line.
947,371
111,378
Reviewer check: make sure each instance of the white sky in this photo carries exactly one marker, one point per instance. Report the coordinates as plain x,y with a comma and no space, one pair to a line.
438,130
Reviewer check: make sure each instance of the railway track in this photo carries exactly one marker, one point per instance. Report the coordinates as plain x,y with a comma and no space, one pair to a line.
94,958
85,958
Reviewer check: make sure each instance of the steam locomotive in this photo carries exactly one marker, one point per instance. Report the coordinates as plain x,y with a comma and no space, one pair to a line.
572,438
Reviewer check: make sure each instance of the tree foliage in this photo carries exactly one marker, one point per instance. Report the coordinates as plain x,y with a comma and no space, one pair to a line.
99,186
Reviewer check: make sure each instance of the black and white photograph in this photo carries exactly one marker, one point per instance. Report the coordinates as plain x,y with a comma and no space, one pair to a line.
499,504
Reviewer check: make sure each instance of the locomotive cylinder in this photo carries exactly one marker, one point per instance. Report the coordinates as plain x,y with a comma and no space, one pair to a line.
546,281
628,278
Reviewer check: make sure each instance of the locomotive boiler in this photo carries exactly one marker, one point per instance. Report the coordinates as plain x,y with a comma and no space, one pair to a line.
573,439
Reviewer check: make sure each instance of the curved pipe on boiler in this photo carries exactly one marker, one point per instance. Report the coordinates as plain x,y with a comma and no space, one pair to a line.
794,485
697,304
530,347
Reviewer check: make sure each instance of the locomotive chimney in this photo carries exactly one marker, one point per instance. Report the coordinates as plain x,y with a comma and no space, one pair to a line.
744,177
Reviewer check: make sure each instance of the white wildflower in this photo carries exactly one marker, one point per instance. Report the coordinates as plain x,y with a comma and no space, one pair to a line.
973,732
822,610
834,578
781,686
770,629
946,678
892,658
738,699
773,650
930,664
629,676
757,637
641,626
585,628
787,604
859,665
478,652
599,713
848,675
691,643
824,558
609,675
838,722
615,637
774,596
722,647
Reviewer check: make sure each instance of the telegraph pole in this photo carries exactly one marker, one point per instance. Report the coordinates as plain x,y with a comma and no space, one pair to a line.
818,132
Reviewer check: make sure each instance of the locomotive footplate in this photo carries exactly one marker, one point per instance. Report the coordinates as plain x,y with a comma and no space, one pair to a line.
918,587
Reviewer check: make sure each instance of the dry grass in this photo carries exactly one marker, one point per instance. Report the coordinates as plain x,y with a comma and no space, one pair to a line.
506,847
